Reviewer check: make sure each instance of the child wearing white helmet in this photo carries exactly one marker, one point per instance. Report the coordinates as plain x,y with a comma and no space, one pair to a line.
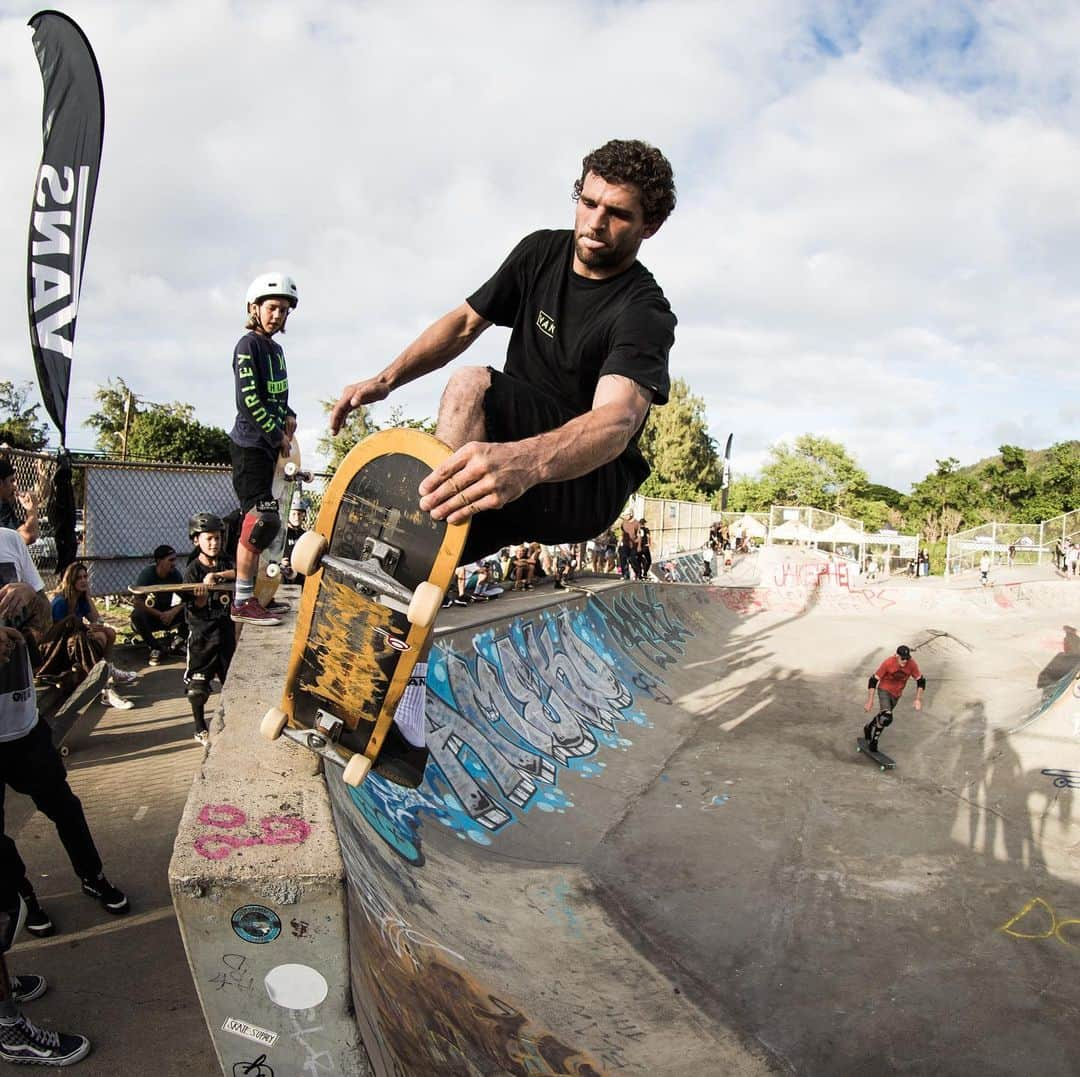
263,430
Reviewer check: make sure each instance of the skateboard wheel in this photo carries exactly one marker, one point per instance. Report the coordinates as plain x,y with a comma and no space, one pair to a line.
273,570
290,469
308,552
274,721
356,770
426,603
151,600
65,751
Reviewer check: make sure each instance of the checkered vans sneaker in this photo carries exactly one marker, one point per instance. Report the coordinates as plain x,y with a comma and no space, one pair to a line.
24,1043
28,987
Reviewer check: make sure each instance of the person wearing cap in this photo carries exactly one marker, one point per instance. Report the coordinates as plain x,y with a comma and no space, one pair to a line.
262,432
18,511
889,680
161,615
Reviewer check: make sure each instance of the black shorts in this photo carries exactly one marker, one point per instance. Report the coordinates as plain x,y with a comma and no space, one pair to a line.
252,475
553,512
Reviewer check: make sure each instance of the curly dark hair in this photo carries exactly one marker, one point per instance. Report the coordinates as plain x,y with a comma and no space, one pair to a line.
631,161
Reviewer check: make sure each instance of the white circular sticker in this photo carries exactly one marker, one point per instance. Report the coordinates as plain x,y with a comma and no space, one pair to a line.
296,987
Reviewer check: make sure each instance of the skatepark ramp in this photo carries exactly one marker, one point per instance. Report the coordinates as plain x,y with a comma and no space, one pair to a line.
646,844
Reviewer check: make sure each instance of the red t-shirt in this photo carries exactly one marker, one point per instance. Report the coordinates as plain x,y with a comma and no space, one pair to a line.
891,678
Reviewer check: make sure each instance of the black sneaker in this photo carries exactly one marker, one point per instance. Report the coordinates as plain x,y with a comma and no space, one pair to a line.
37,919
28,987
24,1043
459,600
115,901
401,762
273,606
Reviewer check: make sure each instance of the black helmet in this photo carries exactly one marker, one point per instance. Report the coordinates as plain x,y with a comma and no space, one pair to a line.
202,522
903,651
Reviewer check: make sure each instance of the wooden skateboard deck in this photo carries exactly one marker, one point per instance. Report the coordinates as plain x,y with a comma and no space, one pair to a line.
286,484
376,570
880,758
224,590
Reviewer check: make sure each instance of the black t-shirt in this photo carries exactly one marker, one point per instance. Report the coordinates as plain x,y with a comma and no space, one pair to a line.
262,392
148,577
214,610
568,331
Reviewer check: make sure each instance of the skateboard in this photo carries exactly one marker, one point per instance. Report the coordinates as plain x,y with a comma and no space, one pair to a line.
880,758
376,570
285,486
223,591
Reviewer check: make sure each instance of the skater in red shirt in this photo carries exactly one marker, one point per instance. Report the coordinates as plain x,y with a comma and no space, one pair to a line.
889,680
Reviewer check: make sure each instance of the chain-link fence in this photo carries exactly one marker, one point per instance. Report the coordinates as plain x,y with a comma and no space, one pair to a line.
124,509
31,494
1007,544
675,525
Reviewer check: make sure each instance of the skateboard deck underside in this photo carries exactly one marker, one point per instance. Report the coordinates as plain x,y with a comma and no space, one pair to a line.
353,654
284,489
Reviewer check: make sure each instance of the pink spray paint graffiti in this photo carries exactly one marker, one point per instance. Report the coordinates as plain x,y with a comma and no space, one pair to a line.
273,830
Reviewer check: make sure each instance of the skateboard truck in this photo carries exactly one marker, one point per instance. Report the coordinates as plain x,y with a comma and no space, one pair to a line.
320,739
372,575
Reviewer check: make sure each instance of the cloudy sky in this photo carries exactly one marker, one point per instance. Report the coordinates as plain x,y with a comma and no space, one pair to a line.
877,237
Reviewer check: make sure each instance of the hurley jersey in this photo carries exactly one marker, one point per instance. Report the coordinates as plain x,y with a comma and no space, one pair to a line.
262,392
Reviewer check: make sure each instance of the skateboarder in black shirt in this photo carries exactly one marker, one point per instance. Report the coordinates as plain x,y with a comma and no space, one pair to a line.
546,450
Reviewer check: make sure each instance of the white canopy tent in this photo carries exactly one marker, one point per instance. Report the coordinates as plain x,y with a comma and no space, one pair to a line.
794,531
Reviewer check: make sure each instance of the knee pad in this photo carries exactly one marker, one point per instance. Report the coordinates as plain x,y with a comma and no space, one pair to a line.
260,526
198,689
886,719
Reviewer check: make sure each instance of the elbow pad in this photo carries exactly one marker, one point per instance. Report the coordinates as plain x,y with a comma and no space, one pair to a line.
872,683
921,683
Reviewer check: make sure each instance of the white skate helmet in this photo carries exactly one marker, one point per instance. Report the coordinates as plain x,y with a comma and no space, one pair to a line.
270,286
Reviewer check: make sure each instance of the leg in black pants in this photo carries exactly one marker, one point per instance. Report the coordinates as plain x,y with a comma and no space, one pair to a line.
32,766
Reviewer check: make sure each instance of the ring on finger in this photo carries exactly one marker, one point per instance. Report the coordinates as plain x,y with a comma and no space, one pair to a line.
453,483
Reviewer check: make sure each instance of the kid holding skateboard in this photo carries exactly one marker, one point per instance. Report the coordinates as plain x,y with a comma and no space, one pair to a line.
889,680
211,636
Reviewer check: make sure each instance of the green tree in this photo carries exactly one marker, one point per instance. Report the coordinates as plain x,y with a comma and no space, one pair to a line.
1007,480
359,424
676,443
20,426
814,471
170,433
130,427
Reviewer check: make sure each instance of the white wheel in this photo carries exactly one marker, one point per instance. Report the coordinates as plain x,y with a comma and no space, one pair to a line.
273,570
425,605
308,552
273,723
291,469
151,600
356,770
65,751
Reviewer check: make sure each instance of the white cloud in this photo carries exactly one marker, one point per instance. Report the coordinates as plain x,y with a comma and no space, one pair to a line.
876,239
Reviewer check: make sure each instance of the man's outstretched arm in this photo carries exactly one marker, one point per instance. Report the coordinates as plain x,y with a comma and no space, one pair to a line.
436,346
484,475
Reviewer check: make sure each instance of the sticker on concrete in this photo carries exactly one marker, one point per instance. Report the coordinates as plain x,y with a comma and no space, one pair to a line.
249,1032
256,923
296,987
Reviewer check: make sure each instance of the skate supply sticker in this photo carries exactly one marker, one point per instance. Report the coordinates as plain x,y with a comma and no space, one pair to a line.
256,923
249,1032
